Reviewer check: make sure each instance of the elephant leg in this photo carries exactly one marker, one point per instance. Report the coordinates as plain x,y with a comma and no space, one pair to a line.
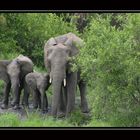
71,91
38,99
25,95
64,90
6,92
44,102
18,98
15,90
84,104
61,106
35,99
44,99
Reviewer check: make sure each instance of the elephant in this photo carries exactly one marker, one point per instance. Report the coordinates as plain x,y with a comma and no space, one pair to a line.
57,51
38,84
13,73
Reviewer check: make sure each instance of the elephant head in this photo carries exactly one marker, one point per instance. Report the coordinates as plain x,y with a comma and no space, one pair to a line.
56,55
68,42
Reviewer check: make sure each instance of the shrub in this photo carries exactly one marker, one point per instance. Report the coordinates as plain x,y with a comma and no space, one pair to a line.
110,63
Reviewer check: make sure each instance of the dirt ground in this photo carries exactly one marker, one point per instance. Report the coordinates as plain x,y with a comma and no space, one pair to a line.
22,112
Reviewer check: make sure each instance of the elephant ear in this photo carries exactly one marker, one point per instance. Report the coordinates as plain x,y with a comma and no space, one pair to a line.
49,43
73,49
26,64
3,69
74,43
3,64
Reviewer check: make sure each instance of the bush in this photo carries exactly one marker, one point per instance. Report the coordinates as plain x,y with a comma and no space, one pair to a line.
27,33
110,63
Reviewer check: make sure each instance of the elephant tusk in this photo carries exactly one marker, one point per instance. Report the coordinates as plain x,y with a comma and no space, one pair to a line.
64,82
50,81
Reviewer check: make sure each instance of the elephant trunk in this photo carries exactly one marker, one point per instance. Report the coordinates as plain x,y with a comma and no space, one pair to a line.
56,87
57,78
56,73
64,81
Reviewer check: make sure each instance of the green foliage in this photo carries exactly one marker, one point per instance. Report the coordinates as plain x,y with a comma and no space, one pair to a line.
32,120
110,63
78,119
26,33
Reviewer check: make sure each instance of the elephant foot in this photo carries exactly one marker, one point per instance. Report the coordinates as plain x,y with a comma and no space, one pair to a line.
87,115
16,107
60,114
85,110
25,106
35,107
4,106
45,110
13,103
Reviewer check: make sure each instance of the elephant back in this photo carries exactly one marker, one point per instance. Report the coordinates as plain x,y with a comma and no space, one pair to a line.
26,64
61,38
69,39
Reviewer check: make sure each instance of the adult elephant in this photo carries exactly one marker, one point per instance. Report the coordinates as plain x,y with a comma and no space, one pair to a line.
57,52
13,73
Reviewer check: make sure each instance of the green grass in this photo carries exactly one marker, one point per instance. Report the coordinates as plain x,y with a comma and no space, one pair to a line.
33,120
36,120
98,123
9,120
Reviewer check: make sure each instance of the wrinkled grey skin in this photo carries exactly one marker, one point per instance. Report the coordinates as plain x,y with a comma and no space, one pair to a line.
56,53
13,72
38,83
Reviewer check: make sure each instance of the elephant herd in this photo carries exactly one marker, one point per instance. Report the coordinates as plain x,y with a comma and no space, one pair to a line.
19,74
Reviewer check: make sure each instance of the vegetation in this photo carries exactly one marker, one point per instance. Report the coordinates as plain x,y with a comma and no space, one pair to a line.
109,61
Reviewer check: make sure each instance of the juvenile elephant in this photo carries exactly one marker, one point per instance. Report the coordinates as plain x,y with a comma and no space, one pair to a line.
13,72
38,84
57,51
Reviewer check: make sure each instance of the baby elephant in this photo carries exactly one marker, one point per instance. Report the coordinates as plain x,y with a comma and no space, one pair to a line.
38,83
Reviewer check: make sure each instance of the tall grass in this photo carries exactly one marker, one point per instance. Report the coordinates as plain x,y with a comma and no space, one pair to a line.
33,120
